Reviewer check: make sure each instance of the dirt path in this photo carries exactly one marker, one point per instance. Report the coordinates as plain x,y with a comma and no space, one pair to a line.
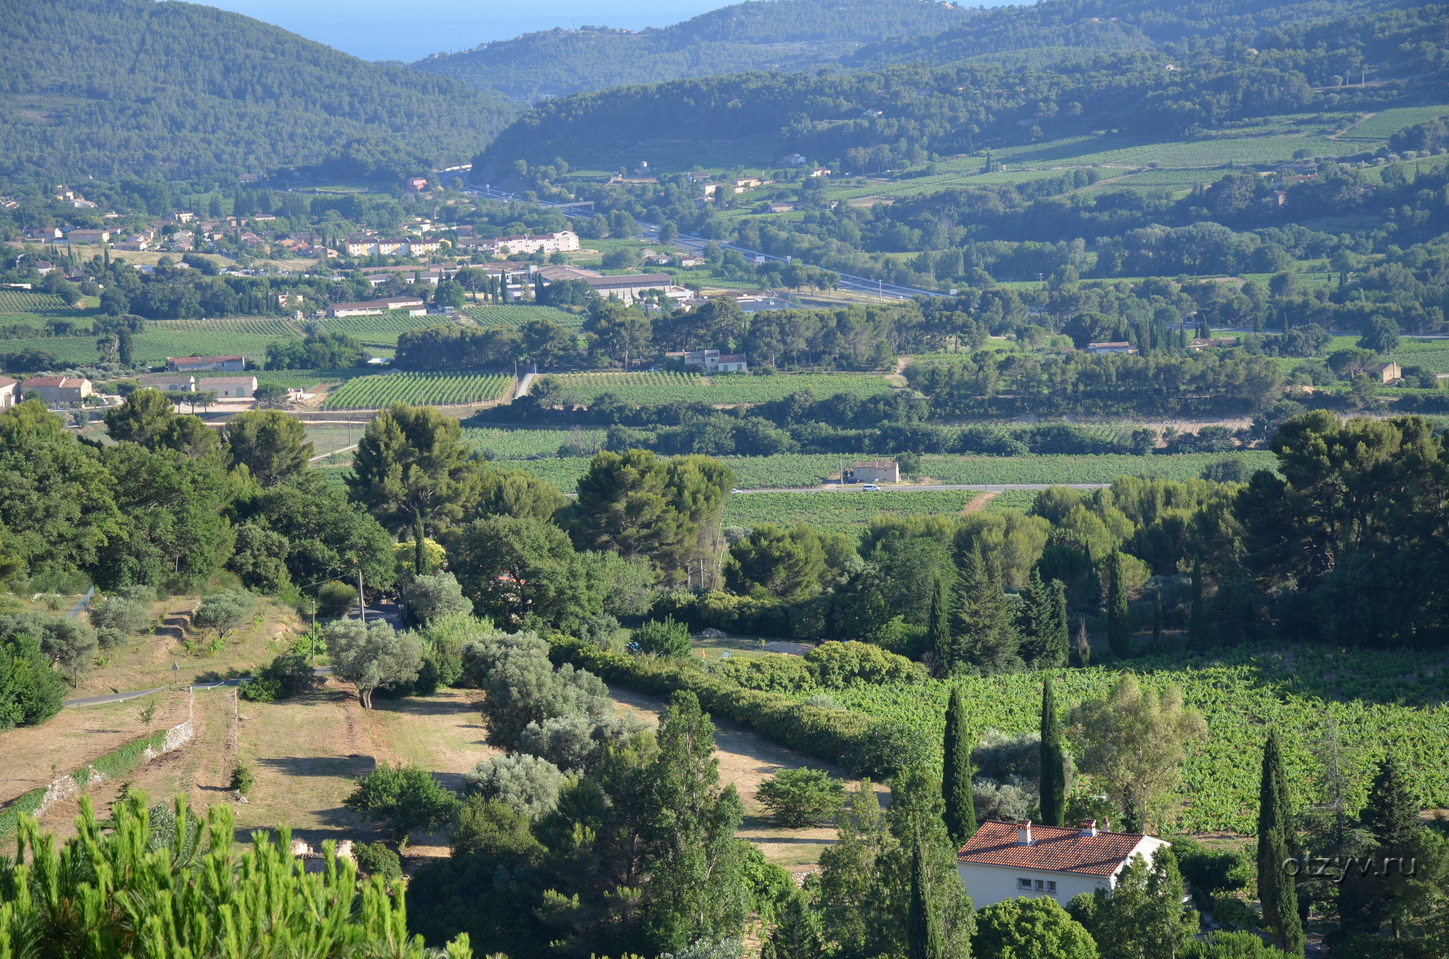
746,759
979,501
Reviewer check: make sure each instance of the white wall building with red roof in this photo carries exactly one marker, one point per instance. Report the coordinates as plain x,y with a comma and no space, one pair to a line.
1005,860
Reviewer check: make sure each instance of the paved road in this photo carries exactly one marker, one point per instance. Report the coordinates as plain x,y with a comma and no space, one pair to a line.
971,487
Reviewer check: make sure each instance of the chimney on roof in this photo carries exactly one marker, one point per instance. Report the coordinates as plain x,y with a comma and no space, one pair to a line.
1106,825
1023,833
1089,827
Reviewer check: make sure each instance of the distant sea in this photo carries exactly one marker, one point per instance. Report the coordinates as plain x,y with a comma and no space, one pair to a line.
389,30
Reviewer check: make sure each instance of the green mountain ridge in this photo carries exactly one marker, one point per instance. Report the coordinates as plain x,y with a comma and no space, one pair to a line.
134,87
1172,90
790,35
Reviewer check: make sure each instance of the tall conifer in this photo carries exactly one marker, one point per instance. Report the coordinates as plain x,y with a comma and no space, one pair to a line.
956,781
1119,638
1053,760
938,628
1277,889
1195,616
1391,815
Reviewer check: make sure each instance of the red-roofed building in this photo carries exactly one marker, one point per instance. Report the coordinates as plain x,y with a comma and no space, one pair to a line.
56,390
1005,860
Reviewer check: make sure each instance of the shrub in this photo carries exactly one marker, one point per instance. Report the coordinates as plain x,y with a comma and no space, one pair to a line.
1212,872
121,615
242,779
775,673
576,743
335,598
526,783
404,799
375,859
662,638
1013,800
430,598
802,797
285,676
837,665
223,611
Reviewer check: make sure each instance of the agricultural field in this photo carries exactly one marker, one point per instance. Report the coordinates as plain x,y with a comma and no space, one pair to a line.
32,308
660,387
797,470
431,389
1384,124
517,316
382,329
1377,699
504,444
849,510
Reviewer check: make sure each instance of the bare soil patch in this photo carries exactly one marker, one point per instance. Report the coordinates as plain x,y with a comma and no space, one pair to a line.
37,755
979,501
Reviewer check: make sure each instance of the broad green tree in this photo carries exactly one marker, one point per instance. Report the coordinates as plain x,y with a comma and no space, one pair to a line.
372,655
1030,929
1143,916
270,444
1133,743
695,889
411,462
405,799
773,562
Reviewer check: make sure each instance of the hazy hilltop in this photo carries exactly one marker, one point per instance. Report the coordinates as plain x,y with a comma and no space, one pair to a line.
760,35
1219,64
116,87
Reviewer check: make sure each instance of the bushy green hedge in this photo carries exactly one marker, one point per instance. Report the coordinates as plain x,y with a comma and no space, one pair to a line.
866,746
24,803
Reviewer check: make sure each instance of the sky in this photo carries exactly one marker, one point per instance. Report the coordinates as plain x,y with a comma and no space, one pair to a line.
398,30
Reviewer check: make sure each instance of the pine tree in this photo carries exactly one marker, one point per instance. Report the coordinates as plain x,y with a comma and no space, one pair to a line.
1392,815
984,633
938,628
1119,638
1277,890
1053,760
1195,617
1043,623
798,935
956,782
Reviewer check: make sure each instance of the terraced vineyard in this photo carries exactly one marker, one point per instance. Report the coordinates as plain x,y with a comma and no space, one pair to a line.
382,329
1384,699
432,389
516,316
28,302
268,326
660,387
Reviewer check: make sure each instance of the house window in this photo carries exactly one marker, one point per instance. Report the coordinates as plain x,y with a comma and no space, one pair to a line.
1023,884
1051,886
1040,885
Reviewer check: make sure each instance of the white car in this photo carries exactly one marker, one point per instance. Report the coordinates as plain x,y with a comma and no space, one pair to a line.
870,488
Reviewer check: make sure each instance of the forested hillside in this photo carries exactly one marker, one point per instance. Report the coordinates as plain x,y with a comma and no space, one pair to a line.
774,35
1168,92
113,88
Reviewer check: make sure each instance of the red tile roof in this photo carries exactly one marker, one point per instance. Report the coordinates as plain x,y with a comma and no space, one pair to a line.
1052,847
36,382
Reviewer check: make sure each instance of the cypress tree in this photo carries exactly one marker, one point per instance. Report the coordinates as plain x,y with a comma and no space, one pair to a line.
1119,639
923,936
1277,889
956,781
1391,815
1053,760
1055,654
938,628
420,552
1157,622
1082,650
1195,617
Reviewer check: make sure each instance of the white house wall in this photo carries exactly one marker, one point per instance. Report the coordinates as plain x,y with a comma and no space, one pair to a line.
988,885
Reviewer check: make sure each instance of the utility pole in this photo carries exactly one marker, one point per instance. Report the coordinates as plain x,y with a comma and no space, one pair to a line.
361,602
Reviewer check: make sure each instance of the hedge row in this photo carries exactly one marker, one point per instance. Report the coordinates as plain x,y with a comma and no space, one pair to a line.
113,764
866,746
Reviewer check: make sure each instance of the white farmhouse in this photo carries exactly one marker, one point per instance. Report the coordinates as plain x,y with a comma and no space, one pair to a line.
1006,860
